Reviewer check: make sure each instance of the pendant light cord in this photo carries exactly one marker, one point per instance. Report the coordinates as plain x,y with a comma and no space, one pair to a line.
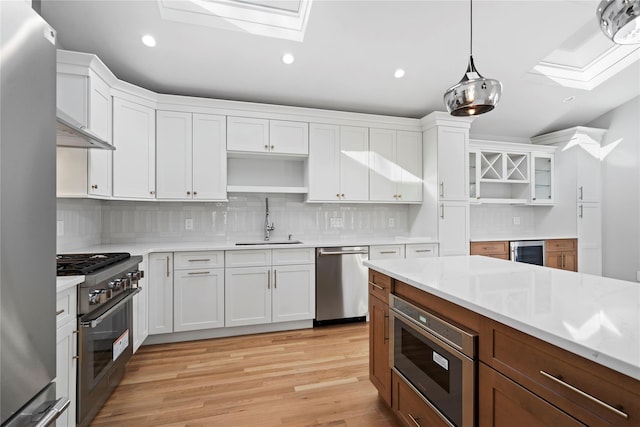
471,27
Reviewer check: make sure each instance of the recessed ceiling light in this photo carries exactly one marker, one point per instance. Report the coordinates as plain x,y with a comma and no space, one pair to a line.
148,40
569,98
399,73
287,58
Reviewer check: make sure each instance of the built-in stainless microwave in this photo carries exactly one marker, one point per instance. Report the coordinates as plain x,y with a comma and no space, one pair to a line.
528,251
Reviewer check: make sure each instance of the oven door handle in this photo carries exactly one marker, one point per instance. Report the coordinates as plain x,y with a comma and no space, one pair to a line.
92,323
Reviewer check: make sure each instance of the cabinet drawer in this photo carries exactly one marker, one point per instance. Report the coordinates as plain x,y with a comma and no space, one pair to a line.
248,258
293,256
586,390
421,251
386,251
560,245
411,407
379,285
204,259
489,248
66,306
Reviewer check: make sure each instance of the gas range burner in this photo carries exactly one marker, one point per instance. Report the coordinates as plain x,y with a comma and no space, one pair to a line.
83,264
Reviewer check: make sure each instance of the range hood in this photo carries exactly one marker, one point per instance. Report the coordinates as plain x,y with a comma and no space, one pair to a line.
70,133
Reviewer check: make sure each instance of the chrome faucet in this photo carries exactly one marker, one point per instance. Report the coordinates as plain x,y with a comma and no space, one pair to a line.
268,228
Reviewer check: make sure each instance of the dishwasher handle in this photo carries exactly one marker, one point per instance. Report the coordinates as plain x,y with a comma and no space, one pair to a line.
363,251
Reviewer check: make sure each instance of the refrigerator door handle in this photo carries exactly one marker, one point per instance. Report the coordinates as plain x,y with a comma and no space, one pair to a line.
49,418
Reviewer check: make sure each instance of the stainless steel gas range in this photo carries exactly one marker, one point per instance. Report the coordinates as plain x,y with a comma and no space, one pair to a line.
105,330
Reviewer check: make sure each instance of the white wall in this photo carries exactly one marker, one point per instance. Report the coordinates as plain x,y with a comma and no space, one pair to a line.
91,222
621,191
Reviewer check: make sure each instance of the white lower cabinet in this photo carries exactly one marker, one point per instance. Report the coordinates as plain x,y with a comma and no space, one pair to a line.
421,250
66,354
453,228
399,251
160,285
590,238
198,291
279,287
386,251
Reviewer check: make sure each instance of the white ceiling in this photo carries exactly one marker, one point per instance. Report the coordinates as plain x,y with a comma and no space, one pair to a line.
350,51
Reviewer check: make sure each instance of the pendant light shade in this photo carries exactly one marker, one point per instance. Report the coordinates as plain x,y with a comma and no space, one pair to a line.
620,20
474,94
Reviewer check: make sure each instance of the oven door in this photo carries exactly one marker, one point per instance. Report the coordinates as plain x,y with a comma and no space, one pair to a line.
443,375
106,345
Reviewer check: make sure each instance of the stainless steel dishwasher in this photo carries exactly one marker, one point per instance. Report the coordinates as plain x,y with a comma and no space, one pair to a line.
341,284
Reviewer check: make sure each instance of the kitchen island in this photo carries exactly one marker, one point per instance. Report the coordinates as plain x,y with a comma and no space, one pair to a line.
554,347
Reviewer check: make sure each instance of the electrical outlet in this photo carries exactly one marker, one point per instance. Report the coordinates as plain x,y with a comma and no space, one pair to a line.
392,222
339,223
188,224
60,228
516,220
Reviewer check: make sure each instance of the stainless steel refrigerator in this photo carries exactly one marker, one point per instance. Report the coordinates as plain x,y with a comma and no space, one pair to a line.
27,217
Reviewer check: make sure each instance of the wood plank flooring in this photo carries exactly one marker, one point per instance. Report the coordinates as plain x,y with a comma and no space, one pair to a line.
314,377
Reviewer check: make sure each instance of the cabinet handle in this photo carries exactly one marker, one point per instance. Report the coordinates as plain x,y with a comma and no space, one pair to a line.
200,260
376,286
423,250
533,198
441,188
442,211
59,312
583,394
269,279
275,278
193,273
414,419
581,193
75,357
388,252
581,211
564,261
168,272
385,327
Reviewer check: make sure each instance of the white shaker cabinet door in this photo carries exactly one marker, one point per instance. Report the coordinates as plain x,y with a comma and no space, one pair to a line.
409,161
324,162
173,155
100,123
354,163
588,173
141,313
453,178
66,350
590,238
384,172
209,157
294,292
160,285
453,228
198,297
134,136
288,137
247,134
247,296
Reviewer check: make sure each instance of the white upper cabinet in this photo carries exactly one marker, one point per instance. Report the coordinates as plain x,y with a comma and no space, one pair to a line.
338,163
542,179
452,166
396,166
86,97
190,156
134,160
251,135
588,173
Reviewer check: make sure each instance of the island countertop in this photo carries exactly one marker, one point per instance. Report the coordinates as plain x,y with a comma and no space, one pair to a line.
594,317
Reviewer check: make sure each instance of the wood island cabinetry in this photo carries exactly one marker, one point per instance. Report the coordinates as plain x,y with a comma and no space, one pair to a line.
520,377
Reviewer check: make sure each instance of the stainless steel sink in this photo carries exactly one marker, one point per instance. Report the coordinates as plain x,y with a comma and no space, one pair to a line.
269,242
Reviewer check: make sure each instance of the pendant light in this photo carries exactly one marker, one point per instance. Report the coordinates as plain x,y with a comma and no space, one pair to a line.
620,20
474,94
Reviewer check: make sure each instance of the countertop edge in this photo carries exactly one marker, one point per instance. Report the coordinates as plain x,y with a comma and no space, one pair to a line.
65,282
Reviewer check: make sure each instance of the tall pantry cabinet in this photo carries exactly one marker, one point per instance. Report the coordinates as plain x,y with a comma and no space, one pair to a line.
445,166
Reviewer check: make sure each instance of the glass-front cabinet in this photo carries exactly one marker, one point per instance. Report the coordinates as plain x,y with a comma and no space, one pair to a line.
542,179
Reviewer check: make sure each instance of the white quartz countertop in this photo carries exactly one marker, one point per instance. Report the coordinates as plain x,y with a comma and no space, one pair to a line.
65,282
595,317
176,246
515,237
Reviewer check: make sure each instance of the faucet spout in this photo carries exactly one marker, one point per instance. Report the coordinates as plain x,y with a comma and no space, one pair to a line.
268,228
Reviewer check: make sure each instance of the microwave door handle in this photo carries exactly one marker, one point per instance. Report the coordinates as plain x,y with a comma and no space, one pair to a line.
92,323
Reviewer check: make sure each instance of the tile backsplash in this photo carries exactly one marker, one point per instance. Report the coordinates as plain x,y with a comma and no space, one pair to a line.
90,222
498,221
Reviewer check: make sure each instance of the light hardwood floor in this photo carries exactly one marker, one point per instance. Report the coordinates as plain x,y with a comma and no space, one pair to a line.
314,377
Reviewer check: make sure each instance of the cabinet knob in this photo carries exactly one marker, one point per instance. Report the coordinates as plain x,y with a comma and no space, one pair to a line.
399,196
195,193
338,195
272,147
94,186
152,192
342,195
266,147
188,193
